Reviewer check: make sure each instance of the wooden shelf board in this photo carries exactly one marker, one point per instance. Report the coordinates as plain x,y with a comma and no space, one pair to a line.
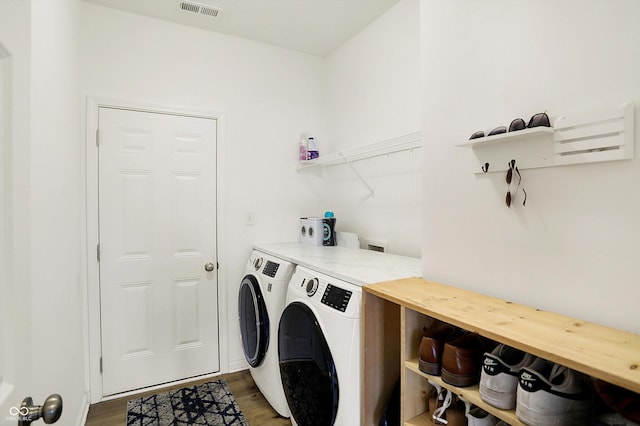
421,420
606,353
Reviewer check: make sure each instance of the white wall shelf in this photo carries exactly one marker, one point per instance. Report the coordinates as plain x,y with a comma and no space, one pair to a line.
365,152
604,135
508,137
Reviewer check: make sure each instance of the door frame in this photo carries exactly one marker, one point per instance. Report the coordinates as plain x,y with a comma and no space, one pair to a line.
93,327
7,294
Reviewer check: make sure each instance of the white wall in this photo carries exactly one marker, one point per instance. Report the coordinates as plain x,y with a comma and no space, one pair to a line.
574,248
373,94
57,271
269,95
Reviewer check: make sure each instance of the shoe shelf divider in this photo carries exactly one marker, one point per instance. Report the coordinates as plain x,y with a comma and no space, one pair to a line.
394,313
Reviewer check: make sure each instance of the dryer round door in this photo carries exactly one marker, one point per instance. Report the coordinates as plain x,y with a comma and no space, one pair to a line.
254,320
308,373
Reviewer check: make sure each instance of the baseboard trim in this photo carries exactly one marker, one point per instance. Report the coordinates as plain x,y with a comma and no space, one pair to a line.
84,410
238,365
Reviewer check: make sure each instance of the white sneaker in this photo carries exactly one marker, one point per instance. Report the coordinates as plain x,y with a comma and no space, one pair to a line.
499,377
478,417
614,419
551,394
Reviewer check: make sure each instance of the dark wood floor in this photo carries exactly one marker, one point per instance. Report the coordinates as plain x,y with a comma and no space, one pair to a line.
255,408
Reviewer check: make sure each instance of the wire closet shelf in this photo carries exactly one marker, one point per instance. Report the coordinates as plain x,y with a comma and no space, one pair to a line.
364,152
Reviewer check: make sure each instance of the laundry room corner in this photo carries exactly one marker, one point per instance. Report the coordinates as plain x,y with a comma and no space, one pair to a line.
269,95
373,97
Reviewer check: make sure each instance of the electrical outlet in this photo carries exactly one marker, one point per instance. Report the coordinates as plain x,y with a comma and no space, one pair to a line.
249,219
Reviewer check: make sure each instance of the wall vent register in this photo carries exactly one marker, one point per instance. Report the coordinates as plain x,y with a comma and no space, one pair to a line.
200,8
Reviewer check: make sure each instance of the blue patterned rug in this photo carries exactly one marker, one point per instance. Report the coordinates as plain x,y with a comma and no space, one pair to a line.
207,404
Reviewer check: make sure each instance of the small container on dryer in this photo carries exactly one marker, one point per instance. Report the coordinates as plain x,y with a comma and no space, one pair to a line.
329,229
304,227
311,230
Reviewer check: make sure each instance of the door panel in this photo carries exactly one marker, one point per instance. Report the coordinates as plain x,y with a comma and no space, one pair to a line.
157,216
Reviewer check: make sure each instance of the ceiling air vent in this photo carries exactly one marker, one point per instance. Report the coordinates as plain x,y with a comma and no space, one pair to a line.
201,9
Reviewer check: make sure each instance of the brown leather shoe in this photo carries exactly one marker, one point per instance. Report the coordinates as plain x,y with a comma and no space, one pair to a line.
462,360
449,411
455,414
435,335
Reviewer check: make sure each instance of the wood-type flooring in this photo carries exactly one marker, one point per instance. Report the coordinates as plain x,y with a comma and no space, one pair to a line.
255,408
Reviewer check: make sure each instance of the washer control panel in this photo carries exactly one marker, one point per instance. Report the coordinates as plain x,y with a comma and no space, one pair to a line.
336,297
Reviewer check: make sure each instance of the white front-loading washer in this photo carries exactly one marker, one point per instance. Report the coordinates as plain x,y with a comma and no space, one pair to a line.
319,349
261,300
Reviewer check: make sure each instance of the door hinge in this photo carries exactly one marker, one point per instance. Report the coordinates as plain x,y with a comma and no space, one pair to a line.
97,137
217,266
100,365
98,252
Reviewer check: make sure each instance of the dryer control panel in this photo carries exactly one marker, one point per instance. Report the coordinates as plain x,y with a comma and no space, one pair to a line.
336,297
328,294
270,269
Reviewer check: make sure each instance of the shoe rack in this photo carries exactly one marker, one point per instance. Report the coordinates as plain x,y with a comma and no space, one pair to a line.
394,313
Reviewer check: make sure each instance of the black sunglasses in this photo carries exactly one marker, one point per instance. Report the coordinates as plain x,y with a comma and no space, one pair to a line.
517,124
540,119
513,169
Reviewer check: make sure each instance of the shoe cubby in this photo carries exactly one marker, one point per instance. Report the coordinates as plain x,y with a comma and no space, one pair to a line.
395,312
416,415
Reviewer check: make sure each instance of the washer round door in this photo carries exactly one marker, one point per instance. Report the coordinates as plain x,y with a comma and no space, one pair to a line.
254,320
307,369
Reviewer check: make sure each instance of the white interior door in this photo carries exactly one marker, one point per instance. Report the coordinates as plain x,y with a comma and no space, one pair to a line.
157,218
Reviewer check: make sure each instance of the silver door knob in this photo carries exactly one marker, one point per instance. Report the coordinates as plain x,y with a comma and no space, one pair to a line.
50,411
209,266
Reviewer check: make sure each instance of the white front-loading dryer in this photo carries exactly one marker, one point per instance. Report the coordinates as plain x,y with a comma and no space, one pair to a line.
319,349
261,300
